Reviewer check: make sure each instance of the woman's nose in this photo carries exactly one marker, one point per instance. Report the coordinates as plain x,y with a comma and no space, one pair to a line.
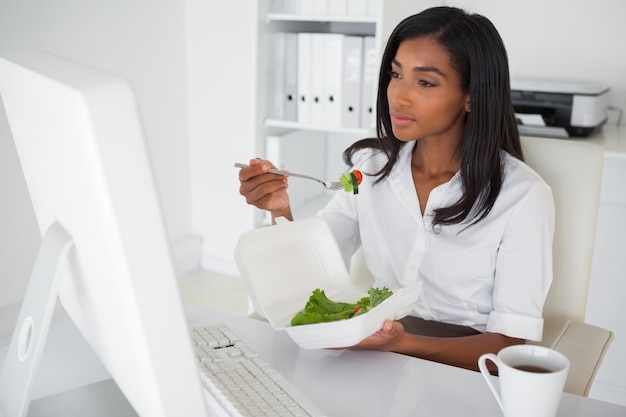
399,96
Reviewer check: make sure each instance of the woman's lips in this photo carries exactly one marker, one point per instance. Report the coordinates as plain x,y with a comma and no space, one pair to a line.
400,119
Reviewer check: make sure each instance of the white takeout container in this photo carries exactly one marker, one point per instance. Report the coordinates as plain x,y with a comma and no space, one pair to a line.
283,264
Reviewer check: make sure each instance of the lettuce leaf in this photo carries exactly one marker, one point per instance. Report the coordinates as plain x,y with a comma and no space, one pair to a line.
319,308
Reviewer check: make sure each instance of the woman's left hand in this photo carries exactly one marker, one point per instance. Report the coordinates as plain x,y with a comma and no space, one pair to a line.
385,339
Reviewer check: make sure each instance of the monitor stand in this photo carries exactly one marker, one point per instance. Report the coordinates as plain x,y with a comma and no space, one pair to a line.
29,337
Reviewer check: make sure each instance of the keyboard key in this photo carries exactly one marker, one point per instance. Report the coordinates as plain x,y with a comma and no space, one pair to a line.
241,381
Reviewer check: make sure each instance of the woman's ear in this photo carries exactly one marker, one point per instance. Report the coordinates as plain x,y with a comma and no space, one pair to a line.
468,108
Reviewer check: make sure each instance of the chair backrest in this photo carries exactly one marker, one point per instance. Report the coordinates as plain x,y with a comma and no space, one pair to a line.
573,168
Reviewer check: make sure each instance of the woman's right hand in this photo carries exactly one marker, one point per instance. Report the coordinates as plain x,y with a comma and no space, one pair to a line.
265,190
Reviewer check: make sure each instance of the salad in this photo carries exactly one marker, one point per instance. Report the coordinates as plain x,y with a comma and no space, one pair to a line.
351,181
319,308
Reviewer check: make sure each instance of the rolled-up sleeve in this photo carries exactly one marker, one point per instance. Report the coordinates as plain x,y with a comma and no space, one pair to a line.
524,267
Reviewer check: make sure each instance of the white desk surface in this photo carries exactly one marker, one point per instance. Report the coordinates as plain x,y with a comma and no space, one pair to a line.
342,383
611,138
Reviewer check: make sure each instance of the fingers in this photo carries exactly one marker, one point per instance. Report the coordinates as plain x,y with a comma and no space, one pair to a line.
263,193
262,189
256,181
387,326
257,167
383,339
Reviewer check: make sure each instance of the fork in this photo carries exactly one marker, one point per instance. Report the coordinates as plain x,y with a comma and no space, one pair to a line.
331,185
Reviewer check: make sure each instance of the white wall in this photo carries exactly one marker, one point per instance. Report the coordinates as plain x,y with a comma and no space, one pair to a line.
141,40
566,40
222,42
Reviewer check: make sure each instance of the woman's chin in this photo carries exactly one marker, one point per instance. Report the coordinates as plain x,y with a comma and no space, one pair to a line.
404,135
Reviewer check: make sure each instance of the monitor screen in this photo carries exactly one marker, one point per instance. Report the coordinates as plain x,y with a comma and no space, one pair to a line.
80,143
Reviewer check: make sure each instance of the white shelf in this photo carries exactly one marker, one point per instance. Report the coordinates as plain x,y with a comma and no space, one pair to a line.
289,17
327,142
281,126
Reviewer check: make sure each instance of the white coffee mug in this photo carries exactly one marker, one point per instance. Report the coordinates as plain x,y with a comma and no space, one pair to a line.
531,379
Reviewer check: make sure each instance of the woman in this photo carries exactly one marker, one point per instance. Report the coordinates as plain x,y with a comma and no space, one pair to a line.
447,199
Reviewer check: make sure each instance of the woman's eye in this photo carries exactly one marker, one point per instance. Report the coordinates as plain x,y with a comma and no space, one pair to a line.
394,74
425,83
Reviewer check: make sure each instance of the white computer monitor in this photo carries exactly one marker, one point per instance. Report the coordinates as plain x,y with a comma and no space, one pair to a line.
104,247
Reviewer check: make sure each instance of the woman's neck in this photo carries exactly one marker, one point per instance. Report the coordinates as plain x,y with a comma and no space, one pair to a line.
435,158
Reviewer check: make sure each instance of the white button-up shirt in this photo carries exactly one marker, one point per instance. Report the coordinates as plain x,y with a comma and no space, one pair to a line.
493,276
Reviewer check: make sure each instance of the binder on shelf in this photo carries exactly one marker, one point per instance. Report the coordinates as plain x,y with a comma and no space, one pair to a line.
276,77
305,7
357,7
352,75
320,7
338,7
304,78
369,78
374,7
318,64
332,97
282,78
290,93
276,6
322,80
289,7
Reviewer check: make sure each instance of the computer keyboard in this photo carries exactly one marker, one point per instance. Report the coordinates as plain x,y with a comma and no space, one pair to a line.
241,382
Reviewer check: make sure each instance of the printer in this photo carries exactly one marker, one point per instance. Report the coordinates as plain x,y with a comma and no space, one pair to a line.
558,109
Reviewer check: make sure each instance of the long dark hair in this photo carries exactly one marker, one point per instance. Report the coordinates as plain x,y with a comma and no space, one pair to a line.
478,54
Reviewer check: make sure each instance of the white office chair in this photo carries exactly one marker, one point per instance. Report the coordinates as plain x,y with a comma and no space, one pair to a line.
573,168
574,171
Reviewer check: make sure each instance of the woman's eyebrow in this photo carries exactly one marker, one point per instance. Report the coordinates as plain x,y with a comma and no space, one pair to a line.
421,69
429,69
